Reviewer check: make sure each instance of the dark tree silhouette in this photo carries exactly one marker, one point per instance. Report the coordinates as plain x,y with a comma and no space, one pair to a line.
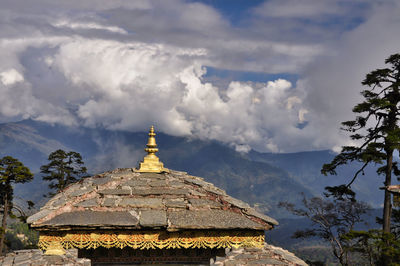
11,171
63,169
376,129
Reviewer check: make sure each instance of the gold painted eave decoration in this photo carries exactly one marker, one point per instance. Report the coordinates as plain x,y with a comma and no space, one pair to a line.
151,163
153,240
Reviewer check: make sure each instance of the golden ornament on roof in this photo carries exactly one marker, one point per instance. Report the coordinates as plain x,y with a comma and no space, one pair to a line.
151,163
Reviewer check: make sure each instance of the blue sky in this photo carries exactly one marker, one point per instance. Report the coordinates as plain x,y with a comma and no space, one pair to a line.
240,75
246,73
235,11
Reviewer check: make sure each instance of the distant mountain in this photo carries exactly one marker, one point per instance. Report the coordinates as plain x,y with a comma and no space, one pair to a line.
305,168
258,183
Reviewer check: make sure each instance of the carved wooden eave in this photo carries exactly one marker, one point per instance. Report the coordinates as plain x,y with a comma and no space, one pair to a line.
153,239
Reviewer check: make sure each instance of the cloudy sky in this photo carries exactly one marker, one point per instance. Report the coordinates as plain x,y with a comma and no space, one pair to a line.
274,75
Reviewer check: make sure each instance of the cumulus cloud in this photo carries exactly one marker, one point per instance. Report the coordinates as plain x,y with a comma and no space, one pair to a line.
126,65
131,85
10,77
333,82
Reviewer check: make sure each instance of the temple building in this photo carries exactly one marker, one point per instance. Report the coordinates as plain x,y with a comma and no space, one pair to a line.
153,215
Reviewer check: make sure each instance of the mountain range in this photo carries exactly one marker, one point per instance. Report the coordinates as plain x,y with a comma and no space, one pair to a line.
261,179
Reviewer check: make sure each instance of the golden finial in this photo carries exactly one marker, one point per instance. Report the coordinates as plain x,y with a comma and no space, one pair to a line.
151,163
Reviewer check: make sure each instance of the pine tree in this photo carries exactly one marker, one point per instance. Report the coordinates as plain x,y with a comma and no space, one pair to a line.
376,128
63,169
11,171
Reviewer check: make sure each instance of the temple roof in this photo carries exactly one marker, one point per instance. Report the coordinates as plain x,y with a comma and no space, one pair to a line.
151,197
128,199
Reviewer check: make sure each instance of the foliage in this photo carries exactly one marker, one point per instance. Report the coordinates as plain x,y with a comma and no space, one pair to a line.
395,229
331,219
20,236
375,128
376,246
63,169
11,171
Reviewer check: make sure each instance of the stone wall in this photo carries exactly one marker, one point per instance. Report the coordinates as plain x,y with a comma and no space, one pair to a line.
35,257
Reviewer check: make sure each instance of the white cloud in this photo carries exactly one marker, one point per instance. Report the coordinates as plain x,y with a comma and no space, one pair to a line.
11,77
129,64
333,83
88,26
130,85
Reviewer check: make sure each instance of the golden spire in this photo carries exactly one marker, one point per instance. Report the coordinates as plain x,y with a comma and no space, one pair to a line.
151,163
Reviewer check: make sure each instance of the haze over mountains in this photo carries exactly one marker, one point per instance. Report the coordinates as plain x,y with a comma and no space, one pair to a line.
263,179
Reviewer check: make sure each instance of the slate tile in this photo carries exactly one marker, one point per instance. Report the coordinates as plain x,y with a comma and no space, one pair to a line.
87,203
101,180
199,203
93,218
197,193
152,175
160,191
158,183
39,215
236,202
109,202
136,182
215,190
252,212
218,219
80,192
175,203
115,191
60,201
176,184
153,218
142,202
196,181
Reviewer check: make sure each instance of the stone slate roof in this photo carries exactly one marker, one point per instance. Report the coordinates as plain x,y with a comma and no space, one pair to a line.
125,199
269,255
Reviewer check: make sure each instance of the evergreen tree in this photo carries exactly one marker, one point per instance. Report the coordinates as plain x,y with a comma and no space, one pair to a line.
11,171
63,169
375,246
376,128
